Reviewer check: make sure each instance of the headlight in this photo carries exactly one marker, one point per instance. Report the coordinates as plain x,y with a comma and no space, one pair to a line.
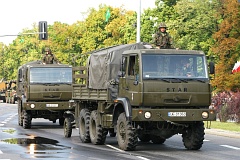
204,115
147,115
32,105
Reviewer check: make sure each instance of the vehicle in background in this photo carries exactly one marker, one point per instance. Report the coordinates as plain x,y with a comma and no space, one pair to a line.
43,91
11,94
8,91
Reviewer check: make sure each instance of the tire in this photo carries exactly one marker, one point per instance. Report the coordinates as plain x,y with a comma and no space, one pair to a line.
97,133
20,119
126,135
144,137
61,121
27,120
84,120
157,139
112,133
193,136
67,126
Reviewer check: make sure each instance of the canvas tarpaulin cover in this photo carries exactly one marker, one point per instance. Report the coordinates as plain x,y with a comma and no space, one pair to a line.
104,64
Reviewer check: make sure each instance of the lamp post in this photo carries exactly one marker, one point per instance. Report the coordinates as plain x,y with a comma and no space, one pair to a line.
139,23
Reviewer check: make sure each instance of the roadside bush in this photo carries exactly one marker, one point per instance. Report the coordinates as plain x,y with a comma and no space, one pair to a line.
227,105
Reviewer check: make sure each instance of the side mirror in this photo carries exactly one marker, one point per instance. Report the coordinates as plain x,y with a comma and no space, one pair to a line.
212,67
136,80
135,83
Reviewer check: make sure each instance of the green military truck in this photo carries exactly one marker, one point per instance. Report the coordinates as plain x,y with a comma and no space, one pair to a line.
136,92
43,91
11,94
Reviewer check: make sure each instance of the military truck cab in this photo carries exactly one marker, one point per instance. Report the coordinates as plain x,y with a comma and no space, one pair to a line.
43,91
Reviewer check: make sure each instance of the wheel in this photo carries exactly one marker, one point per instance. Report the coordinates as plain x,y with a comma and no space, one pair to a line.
157,139
126,135
193,136
61,121
144,137
20,119
97,133
112,133
84,120
67,127
27,120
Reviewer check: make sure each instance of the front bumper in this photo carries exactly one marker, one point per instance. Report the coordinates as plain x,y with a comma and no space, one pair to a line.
46,106
173,115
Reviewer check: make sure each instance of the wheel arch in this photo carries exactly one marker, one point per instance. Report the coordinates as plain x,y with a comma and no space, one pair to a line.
69,114
122,105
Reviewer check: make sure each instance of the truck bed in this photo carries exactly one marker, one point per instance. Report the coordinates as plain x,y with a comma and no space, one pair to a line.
80,89
81,92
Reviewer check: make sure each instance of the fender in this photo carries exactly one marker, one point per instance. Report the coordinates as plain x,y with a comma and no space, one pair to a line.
69,114
126,106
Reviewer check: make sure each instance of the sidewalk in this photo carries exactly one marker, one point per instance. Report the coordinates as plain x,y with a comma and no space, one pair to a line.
221,132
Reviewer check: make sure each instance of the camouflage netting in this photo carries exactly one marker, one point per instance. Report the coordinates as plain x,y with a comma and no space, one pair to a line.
104,64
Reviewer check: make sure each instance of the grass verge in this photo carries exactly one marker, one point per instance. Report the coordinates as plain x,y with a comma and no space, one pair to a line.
230,126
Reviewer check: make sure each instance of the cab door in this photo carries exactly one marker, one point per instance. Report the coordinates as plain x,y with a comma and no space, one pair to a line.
130,84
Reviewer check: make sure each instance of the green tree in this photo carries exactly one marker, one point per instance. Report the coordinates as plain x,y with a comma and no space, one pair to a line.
193,24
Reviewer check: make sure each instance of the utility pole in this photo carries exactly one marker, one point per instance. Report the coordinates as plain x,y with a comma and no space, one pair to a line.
139,23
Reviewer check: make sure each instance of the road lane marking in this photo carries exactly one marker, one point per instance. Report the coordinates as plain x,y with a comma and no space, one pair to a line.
13,115
140,157
114,148
232,147
206,140
7,119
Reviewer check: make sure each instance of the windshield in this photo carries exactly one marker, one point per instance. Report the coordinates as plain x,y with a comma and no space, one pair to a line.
51,75
174,66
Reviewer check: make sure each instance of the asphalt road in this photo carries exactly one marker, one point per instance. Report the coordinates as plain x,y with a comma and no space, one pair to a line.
46,141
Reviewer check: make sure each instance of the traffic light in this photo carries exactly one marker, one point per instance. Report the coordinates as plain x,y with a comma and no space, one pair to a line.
43,34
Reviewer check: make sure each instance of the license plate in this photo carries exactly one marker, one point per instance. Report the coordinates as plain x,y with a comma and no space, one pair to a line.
177,114
51,105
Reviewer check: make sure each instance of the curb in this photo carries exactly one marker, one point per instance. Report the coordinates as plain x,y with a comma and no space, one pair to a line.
221,132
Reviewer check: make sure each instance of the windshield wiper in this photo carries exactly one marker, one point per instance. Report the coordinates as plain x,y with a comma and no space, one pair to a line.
199,80
65,83
176,80
50,84
162,79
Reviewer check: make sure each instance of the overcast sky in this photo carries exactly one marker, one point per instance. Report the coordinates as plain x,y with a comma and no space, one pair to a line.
19,14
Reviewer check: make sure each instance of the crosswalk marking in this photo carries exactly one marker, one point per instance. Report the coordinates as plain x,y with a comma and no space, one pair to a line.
1,152
232,147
